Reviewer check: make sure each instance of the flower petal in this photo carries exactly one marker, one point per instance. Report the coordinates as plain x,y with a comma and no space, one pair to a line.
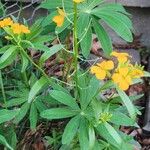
101,75
123,85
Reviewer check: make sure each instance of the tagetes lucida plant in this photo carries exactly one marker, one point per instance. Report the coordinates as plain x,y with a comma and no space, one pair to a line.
93,119
122,75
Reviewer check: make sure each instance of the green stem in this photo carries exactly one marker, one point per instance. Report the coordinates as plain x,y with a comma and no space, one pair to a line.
75,41
2,88
28,57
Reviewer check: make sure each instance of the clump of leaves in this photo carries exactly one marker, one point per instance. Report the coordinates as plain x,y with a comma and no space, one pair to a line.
93,120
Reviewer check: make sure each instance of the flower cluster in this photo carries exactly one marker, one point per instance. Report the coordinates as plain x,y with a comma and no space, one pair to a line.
15,27
122,75
101,70
59,19
105,117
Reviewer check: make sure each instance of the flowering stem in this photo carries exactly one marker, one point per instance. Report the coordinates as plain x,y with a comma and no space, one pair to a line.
75,43
27,56
2,88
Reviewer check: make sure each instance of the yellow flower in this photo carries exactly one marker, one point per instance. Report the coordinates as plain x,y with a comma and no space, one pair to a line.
122,78
24,29
59,19
122,57
137,73
101,69
6,22
78,1
18,29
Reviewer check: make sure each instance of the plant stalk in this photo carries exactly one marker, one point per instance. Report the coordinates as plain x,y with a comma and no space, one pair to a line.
75,44
2,88
41,70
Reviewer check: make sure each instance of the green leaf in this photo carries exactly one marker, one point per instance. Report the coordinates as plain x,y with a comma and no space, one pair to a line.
115,7
83,135
36,88
23,111
4,142
86,43
64,98
82,24
44,38
84,33
93,89
70,130
97,108
92,138
26,44
119,26
127,102
58,113
146,74
8,57
40,105
103,37
15,102
33,116
7,115
25,62
87,91
93,3
41,47
11,136
118,15
36,30
122,119
58,3
5,48
110,134
47,54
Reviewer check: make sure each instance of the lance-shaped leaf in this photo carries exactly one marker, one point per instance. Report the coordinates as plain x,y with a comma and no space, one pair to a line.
83,135
36,88
119,118
70,130
92,137
58,3
25,62
51,51
8,57
64,98
33,116
103,37
127,102
58,113
7,115
23,111
117,24
110,134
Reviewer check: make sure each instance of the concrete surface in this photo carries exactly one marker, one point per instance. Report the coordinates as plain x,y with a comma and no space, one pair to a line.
134,3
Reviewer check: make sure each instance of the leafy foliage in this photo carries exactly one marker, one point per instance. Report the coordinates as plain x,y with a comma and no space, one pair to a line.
34,93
